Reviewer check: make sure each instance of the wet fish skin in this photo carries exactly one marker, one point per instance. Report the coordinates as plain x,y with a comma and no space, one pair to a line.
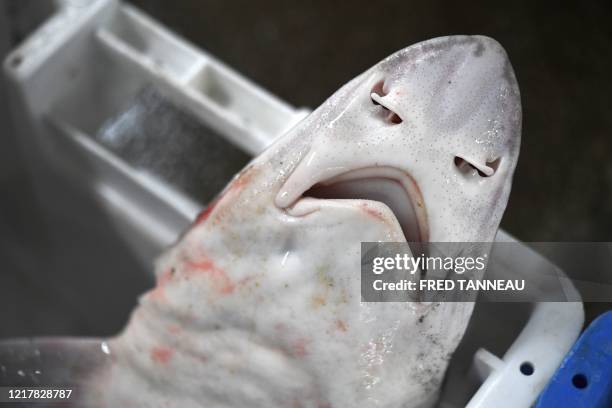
259,303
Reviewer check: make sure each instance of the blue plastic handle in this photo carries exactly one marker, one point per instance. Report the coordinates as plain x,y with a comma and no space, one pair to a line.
584,379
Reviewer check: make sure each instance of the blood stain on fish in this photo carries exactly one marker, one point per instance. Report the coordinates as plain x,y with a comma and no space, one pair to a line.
204,214
372,212
158,292
221,282
161,354
233,189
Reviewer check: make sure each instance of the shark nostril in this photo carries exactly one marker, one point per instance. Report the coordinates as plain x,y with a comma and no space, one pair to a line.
470,169
494,164
378,89
395,118
376,96
465,167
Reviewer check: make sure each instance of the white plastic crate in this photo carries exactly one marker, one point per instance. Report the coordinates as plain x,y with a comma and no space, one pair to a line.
93,56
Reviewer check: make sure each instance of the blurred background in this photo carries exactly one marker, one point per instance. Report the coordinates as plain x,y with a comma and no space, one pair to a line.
302,52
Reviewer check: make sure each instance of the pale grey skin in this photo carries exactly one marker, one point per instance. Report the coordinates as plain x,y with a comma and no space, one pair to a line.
259,303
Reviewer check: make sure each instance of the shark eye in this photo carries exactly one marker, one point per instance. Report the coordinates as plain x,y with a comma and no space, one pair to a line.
376,96
467,167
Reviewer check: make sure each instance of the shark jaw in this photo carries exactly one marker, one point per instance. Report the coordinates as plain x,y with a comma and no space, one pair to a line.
389,194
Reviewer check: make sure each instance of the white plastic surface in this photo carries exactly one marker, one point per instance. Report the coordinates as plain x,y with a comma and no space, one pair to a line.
92,56
550,332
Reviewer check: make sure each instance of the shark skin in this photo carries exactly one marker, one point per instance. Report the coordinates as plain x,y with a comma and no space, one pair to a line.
258,304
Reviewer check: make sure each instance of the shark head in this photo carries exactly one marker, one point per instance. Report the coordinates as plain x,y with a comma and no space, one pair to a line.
432,132
259,303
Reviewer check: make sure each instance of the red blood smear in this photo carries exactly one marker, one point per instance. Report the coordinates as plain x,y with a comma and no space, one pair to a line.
242,180
164,278
161,354
219,278
372,212
204,214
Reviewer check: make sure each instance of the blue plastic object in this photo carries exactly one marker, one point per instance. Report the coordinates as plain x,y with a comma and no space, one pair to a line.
584,379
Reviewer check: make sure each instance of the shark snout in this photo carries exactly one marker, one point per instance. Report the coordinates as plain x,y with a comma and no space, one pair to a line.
443,83
473,76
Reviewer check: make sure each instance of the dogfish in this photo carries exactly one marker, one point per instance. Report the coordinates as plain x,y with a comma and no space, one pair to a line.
258,304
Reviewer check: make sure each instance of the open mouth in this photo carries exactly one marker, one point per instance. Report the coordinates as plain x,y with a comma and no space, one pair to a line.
387,185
